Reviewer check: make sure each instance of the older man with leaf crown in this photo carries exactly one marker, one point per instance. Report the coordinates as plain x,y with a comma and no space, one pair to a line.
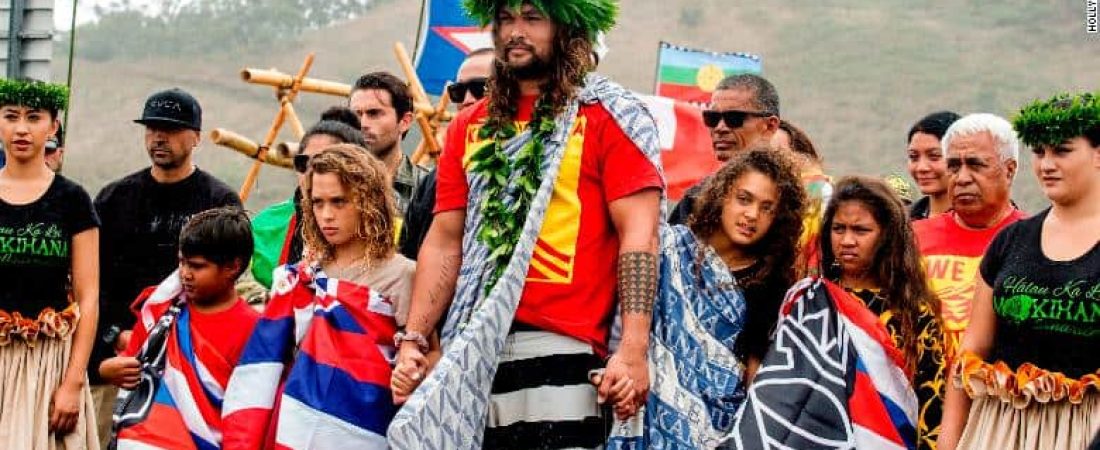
545,234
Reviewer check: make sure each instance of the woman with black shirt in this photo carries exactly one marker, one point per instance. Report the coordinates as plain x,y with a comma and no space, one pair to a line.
1029,370
722,279
48,246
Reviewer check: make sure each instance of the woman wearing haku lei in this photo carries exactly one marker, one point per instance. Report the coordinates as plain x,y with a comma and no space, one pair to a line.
49,273
722,278
315,373
1028,373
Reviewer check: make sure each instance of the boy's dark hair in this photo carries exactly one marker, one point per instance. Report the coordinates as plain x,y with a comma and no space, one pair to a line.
343,115
220,235
385,81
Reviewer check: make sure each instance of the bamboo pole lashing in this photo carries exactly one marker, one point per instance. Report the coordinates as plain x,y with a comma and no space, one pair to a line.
286,97
247,147
422,155
278,79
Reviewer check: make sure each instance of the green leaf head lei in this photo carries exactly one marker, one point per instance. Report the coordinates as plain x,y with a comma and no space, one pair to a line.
592,16
1062,117
33,94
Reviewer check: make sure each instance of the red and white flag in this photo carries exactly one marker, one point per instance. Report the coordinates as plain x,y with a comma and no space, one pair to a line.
686,151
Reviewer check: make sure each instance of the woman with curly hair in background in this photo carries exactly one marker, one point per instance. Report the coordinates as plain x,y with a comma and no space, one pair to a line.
722,278
321,353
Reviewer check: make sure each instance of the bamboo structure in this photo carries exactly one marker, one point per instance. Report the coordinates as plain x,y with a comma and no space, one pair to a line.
430,118
286,94
280,80
247,147
425,112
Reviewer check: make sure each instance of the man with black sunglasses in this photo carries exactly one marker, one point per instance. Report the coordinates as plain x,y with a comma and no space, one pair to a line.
743,112
473,76
468,89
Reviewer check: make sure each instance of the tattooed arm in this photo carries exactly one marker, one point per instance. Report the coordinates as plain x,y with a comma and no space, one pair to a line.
626,380
433,288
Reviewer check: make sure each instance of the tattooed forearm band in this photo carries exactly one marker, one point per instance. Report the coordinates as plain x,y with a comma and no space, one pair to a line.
637,282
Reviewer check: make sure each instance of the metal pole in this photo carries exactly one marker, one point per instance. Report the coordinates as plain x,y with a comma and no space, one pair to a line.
15,44
69,77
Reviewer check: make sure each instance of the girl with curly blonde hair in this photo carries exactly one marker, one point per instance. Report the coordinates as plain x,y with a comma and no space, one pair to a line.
330,325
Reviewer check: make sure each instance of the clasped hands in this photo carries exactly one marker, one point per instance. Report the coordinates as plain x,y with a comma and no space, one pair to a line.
623,384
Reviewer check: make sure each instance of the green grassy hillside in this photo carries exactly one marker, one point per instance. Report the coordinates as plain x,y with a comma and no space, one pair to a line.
853,74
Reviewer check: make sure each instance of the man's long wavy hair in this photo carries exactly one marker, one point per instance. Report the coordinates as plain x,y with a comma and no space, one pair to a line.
896,265
367,183
778,248
570,60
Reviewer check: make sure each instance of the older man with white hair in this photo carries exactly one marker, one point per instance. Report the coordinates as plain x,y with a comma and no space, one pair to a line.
982,153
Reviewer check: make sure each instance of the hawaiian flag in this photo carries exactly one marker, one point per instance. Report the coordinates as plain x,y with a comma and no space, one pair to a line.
316,372
832,379
447,35
186,409
691,75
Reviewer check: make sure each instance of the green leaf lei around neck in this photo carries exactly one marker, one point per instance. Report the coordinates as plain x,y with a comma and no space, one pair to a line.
501,224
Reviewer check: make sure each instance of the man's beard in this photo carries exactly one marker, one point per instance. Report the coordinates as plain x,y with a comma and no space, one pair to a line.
535,69
169,162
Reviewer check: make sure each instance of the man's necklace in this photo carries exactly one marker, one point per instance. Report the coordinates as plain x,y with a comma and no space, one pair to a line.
502,223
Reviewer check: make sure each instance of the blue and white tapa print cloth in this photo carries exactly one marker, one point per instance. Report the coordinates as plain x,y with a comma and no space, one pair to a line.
695,378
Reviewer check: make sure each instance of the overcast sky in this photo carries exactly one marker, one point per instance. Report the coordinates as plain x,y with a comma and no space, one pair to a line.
63,11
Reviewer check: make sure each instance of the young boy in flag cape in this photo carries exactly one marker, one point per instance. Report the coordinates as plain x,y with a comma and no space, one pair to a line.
190,332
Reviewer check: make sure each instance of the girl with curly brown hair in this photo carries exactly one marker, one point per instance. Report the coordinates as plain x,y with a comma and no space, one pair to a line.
330,325
722,278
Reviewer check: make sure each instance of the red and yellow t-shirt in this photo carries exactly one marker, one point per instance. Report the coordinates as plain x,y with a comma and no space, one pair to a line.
570,286
951,256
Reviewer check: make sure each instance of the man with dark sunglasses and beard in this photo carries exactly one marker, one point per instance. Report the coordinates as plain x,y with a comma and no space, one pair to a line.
142,215
468,89
555,181
744,111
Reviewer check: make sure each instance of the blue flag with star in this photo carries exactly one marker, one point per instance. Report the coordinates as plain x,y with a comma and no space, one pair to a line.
447,35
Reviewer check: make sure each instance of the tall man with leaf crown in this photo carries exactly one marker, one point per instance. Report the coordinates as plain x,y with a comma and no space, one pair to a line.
549,199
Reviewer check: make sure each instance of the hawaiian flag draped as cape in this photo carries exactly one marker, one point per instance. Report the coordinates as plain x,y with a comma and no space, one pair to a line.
315,374
831,379
185,412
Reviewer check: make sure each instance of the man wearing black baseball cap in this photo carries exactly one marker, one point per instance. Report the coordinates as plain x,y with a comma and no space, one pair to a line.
142,215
